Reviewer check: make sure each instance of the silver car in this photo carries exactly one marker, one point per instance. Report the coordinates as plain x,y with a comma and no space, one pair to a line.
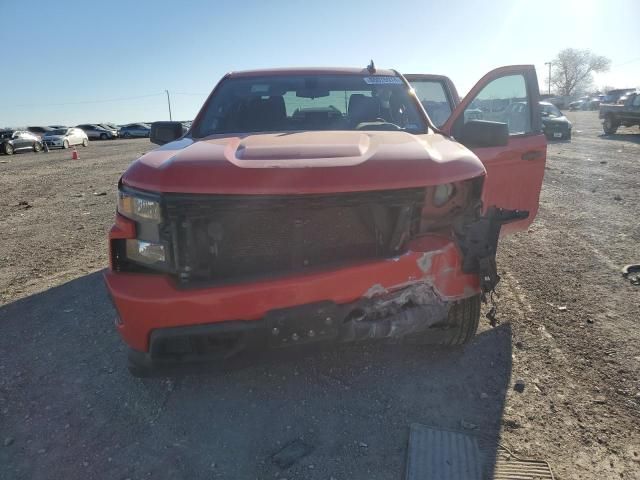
65,138
135,130
110,127
96,132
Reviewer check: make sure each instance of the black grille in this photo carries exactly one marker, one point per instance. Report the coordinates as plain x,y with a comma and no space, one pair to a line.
229,237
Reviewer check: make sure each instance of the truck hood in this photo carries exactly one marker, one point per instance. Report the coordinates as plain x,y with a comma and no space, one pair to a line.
302,162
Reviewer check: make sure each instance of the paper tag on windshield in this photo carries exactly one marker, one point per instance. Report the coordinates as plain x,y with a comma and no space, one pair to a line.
383,80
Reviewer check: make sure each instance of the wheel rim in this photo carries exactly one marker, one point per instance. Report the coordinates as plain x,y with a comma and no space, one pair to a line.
37,147
65,144
8,149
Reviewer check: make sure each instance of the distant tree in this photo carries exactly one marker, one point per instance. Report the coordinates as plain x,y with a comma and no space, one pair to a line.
572,70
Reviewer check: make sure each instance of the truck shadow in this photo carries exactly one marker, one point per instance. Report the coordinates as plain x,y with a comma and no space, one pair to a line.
65,391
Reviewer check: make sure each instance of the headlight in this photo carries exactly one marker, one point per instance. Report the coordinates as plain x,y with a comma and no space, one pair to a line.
150,248
138,207
442,194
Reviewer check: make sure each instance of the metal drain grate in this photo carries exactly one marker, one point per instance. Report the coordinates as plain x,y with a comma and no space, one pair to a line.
436,454
442,455
508,467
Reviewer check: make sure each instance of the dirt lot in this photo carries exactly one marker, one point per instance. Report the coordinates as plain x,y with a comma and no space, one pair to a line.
69,409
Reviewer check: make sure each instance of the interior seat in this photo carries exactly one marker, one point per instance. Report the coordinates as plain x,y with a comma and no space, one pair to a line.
262,114
362,108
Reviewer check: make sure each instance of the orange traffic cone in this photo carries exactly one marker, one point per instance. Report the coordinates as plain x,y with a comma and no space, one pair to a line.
74,154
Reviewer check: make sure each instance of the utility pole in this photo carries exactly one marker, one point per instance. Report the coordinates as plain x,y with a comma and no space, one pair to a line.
169,103
549,63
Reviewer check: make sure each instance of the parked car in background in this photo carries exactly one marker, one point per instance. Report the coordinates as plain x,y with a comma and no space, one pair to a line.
12,141
578,104
96,132
594,102
616,115
39,131
66,137
111,128
518,116
57,127
575,105
135,130
554,124
559,102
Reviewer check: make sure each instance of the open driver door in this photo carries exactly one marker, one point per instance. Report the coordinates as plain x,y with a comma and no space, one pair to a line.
515,169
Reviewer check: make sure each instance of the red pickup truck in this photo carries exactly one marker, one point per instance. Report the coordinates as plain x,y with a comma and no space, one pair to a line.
323,205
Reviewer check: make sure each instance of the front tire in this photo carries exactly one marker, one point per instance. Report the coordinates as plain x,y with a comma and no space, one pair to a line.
65,144
103,136
459,328
37,147
464,318
609,126
8,149
85,142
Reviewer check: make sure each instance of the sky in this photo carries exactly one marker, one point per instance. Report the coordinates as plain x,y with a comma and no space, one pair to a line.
83,62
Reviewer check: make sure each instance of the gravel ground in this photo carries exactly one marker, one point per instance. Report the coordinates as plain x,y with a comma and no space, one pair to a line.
69,409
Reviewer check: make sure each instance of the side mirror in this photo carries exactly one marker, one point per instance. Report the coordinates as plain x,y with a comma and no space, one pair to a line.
165,132
484,133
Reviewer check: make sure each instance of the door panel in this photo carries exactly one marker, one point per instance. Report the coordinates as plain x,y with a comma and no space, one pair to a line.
515,171
20,142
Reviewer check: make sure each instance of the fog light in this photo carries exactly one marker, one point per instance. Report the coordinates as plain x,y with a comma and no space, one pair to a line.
145,252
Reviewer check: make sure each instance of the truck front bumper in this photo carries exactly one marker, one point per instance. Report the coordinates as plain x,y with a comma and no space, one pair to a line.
151,307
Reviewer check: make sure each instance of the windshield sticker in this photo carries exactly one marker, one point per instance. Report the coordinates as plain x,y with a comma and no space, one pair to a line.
383,80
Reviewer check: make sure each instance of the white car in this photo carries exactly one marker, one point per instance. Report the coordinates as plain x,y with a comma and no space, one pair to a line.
65,138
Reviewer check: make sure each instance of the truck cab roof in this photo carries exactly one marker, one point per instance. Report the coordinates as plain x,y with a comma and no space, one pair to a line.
313,71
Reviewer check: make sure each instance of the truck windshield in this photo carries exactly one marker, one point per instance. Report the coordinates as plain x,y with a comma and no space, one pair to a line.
316,102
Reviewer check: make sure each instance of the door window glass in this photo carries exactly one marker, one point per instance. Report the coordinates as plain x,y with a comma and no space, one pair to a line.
433,97
503,100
